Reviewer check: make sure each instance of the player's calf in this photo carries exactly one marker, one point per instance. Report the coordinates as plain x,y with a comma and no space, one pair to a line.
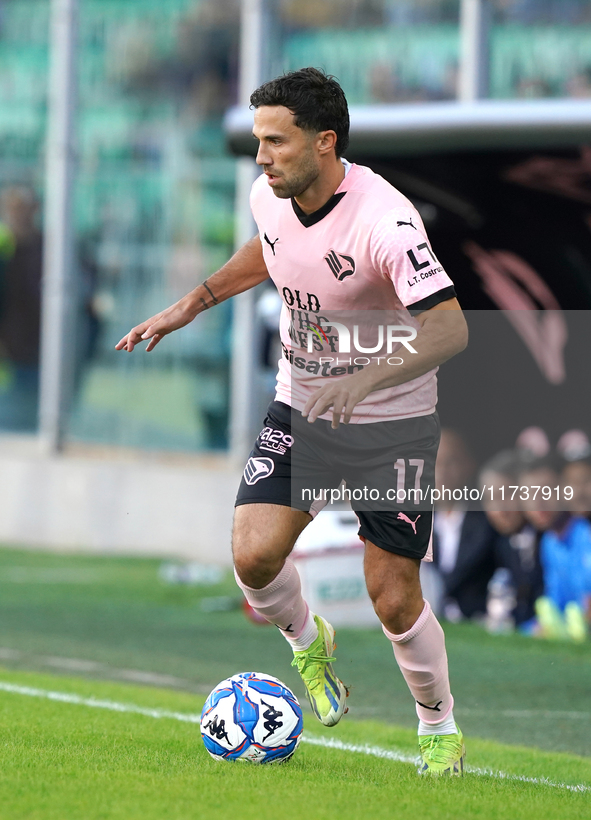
311,638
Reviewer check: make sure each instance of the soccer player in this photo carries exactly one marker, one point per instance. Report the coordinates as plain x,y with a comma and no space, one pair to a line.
334,236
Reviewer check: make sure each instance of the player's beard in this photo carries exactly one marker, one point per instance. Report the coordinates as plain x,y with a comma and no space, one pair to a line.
295,185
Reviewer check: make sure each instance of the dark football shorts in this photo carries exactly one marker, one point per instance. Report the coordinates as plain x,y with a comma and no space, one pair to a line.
384,469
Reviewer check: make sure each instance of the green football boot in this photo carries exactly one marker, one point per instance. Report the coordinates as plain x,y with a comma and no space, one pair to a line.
442,754
324,690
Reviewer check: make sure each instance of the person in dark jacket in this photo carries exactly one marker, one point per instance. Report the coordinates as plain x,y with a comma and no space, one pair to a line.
20,310
518,547
464,543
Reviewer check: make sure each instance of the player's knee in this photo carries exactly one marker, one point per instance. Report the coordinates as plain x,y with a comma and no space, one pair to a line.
395,611
255,572
255,564
260,545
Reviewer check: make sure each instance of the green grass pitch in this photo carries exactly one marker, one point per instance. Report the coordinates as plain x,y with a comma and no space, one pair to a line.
63,760
523,706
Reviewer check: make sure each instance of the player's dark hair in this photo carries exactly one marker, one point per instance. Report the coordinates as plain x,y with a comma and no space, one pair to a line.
315,99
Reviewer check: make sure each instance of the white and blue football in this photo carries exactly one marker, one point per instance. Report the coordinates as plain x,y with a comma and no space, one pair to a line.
251,717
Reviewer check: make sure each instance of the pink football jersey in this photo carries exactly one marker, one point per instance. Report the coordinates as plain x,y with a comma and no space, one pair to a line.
365,250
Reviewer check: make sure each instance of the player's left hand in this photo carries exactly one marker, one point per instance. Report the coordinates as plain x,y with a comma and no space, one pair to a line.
342,396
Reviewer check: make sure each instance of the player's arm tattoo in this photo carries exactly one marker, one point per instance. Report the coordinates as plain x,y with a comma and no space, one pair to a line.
202,300
208,289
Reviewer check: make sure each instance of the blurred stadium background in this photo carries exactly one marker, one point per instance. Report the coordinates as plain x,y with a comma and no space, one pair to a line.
125,166
144,194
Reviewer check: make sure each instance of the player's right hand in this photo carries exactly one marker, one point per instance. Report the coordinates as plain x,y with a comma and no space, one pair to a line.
159,326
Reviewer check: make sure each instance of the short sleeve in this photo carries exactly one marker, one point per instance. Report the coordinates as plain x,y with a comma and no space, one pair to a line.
401,251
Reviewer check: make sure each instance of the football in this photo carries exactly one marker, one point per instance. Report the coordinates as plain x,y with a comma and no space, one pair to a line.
252,717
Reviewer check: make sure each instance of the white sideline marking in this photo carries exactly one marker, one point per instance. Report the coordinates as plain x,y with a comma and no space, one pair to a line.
373,751
113,706
169,681
400,757
328,743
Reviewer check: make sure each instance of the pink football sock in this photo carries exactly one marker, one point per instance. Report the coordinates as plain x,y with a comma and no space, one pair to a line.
421,656
280,602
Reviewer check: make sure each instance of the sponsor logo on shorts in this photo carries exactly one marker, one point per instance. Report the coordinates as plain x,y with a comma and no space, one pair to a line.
257,469
275,441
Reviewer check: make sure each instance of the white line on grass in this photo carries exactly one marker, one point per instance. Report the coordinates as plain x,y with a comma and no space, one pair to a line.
170,682
400,757
113,706
373,751
328,743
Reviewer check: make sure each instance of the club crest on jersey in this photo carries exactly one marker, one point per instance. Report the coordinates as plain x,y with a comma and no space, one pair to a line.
257,469
340,265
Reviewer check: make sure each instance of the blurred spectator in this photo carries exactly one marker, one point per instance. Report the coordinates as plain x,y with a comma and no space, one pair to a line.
565,554
497,476
533,88
527,560
575,448
201,71
312,14
574,445
541,507
518,550
20,310
268,310
531,12
337,13
384,85
532,443
564,611
449,90
464,543
577,474
208,55
415,12
454,469
579,85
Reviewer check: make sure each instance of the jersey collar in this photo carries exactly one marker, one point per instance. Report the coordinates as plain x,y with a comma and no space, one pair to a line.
308,220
